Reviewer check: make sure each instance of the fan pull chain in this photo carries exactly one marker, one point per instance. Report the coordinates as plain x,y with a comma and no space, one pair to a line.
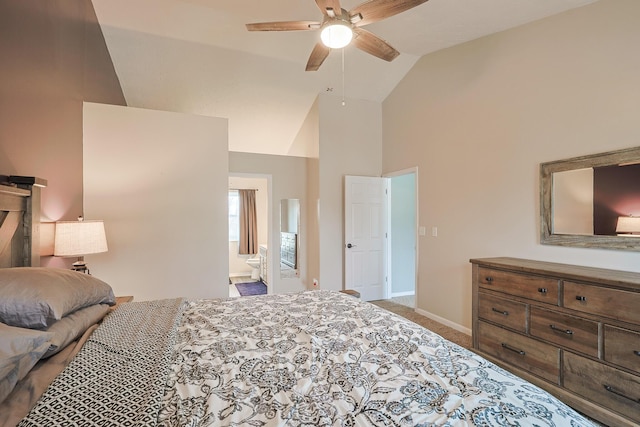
343,102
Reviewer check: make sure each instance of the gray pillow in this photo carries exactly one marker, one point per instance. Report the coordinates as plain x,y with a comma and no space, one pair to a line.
35,297
20,350
73,325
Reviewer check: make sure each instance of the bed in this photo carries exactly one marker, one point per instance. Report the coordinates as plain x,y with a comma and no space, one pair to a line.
311,358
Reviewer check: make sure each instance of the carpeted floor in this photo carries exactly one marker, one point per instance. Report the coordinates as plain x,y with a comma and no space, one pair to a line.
451,334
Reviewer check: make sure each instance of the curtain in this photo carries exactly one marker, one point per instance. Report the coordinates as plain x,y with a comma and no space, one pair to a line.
248,243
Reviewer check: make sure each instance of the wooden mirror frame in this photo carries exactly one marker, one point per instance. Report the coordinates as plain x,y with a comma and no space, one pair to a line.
629,155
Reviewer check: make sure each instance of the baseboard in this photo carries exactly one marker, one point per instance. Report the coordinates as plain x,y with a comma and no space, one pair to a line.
444,321
246,274
402,294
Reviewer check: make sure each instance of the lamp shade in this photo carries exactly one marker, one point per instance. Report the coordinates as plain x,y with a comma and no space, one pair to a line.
628,224
336,35
78,238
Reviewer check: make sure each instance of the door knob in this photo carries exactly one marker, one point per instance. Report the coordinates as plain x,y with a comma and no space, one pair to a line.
349,245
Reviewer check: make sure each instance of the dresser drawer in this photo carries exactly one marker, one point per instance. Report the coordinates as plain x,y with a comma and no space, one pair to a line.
568,331
525,353
511,314
603,385
622,347
612,303
532,287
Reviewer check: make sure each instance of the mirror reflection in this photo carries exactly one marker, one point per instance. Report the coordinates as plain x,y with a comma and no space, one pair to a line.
592,201
289,237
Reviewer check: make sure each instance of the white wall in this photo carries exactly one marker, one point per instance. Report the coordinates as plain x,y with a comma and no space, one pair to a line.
288,181
159,181
238,263
479,118
350,144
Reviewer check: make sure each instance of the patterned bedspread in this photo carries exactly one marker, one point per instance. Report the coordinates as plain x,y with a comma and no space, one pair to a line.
321,358
118,377
314,358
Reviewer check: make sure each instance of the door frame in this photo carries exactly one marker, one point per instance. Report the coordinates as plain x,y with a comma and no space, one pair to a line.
412,170
270,234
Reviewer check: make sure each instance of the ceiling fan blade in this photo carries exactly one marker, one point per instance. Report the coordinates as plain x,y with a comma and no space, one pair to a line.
284,26
374,45
377,10
325,5
317,57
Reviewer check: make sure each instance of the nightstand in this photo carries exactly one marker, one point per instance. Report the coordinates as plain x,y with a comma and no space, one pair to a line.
120,300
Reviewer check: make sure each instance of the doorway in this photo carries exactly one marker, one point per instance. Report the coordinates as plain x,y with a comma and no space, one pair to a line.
402,242
380,246
251,268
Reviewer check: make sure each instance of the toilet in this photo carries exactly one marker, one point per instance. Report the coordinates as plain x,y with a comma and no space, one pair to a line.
255,267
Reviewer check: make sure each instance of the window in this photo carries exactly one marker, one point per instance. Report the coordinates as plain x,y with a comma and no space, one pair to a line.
234,216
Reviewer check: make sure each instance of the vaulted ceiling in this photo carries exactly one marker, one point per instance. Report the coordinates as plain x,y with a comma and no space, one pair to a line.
196,56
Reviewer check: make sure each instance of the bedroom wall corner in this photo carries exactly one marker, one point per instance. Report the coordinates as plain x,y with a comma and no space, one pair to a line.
350,144
313,222
53,57
288,181
479,118
159,180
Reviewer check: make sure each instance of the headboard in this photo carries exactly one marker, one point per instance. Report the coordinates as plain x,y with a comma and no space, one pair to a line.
20,221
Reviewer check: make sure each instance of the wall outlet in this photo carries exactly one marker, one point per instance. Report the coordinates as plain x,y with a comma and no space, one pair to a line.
315,282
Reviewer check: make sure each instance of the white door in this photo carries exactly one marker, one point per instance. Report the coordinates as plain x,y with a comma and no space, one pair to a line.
365,234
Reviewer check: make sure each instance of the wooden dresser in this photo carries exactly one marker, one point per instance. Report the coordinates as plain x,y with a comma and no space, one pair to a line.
289,249
574,331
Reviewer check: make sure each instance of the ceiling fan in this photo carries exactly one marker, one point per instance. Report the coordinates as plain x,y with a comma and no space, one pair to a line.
340,27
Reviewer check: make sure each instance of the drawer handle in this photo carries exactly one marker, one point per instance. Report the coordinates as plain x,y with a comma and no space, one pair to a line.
564,331
489,279
619,393
636,352
581,298
508,347
542,290
504,313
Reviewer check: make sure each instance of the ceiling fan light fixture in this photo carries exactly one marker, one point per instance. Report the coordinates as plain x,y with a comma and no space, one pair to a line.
336,35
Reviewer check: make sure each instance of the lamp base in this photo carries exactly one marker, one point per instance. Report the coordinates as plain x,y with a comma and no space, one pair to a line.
80,266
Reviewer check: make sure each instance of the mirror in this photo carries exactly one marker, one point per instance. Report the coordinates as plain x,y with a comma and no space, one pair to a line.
583,199
289,237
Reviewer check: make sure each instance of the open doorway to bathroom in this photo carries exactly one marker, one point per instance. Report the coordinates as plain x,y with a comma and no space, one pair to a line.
403,245
248,256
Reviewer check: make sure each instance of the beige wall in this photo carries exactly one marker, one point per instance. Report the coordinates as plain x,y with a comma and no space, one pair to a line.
479,118
573,202
350,144
311,131
159,180
288,181
306,143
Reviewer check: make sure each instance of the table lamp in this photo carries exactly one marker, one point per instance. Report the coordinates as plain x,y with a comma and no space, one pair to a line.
628,226
79,238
